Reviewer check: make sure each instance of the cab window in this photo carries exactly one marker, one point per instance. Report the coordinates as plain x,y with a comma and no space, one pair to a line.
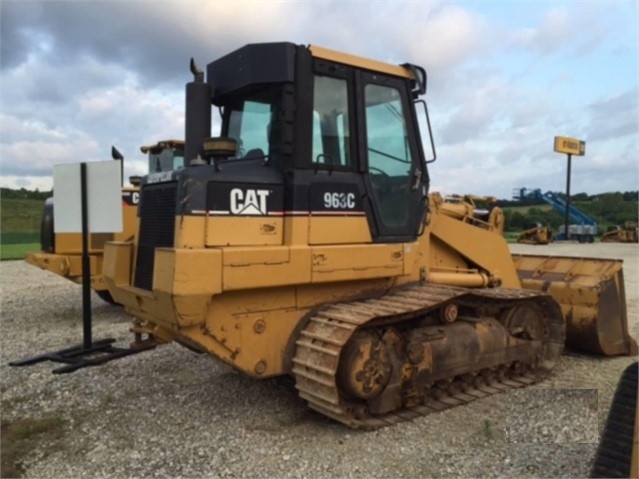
387,138
389,154
252,123
331,138
165,159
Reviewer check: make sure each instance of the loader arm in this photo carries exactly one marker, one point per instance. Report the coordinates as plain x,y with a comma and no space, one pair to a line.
590,291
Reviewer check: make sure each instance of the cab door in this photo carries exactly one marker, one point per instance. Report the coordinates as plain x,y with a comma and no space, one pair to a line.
336,188
394,167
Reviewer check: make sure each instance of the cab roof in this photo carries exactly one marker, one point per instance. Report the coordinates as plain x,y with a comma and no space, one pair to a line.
161,145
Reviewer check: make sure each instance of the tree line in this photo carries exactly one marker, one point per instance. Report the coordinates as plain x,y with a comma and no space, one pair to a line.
607,209
24,194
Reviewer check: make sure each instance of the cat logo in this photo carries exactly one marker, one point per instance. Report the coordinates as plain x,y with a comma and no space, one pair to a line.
131,197
249,202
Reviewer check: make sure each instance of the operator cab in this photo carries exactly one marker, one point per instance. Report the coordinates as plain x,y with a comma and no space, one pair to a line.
343,129
307,135
164,156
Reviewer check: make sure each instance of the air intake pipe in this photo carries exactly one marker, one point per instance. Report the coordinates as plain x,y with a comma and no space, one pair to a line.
197,122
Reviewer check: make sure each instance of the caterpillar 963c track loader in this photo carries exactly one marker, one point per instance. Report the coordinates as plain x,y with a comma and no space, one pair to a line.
61,253
303,241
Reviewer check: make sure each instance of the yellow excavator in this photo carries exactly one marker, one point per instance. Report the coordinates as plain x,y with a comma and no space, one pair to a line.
61,253
303,241
622,234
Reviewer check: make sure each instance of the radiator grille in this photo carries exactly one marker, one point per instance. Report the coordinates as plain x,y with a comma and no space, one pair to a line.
157,228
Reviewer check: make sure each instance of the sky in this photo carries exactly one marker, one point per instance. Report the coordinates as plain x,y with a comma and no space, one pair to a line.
504,78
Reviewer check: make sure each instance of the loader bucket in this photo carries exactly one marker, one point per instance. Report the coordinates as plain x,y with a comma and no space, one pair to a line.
592,297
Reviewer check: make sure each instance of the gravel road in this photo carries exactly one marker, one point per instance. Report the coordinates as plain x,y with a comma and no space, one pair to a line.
172,413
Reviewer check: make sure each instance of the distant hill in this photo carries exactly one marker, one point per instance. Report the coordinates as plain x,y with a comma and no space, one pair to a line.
607,209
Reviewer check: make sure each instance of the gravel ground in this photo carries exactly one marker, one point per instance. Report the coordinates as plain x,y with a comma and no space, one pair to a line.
170,412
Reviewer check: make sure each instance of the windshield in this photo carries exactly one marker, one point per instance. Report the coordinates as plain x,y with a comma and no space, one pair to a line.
167,159
253,123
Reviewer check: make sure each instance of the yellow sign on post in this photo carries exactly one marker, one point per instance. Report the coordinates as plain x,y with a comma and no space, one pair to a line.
570,146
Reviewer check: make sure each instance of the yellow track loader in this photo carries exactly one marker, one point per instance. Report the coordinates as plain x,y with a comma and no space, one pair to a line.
303,240
535,234
61,253
622,234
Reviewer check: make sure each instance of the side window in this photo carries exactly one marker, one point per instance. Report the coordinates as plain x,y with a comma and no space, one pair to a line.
178,159
249,127
386,135
331,138
163,160
389,154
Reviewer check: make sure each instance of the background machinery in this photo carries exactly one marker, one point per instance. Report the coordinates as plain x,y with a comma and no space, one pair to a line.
622,234
582,227
303,240
61,253
536,234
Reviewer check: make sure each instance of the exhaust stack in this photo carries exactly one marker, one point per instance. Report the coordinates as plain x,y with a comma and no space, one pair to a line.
197,124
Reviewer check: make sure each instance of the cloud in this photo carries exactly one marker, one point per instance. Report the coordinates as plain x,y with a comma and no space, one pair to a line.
449,36
155,40
17,43
555,29
615,117
78,77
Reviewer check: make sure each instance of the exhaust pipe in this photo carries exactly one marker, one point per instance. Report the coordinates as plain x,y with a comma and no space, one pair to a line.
197,122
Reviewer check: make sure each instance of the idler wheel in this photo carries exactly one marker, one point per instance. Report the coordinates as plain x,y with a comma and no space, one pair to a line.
524,322
365,366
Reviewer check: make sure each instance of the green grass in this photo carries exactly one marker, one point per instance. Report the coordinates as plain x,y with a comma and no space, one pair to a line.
19,237
488,429
20,215
19,227
511,237
17,251
19,438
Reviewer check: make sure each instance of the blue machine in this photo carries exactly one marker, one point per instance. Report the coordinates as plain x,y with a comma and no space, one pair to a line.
582,227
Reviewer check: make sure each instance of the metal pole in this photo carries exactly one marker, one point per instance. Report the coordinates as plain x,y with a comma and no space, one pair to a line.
86,265
567,215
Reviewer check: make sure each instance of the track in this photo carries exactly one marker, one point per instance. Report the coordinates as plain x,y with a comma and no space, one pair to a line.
615,452
321,343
